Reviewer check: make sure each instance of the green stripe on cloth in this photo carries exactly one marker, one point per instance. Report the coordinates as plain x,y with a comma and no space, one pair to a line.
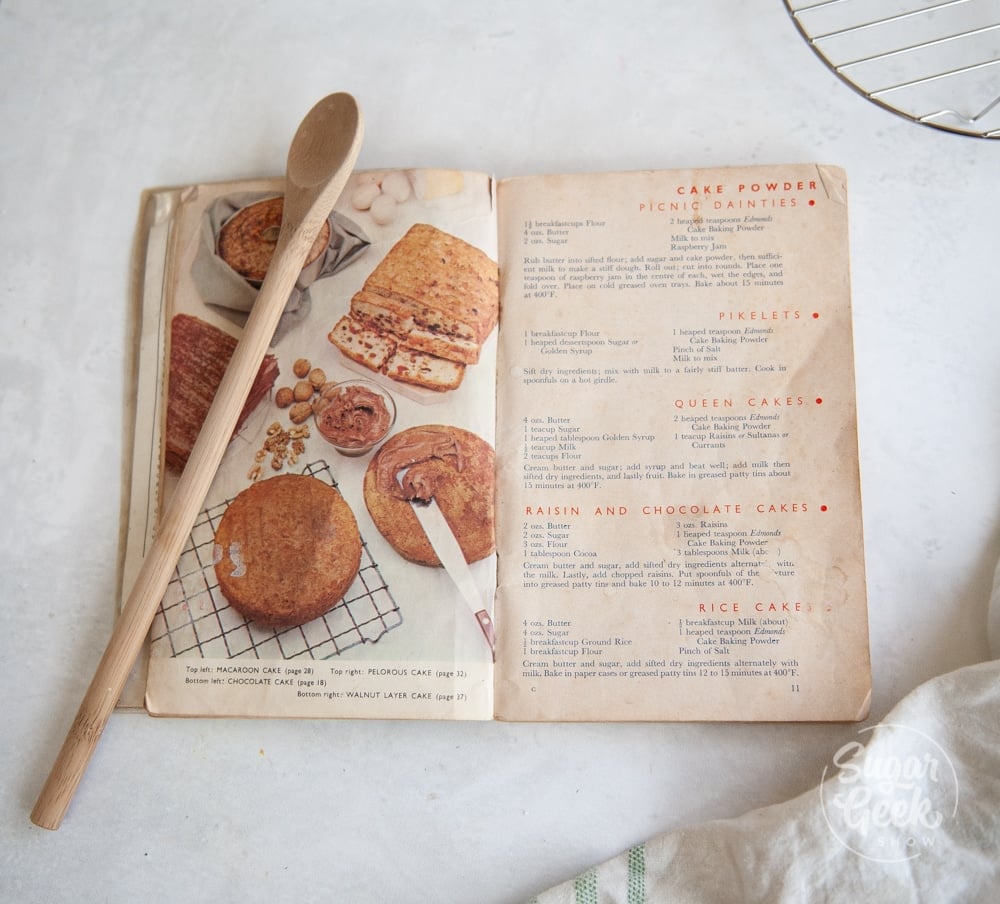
637,874
585,887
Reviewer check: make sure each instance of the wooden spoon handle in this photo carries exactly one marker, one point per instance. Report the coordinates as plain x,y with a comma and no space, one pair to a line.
173,530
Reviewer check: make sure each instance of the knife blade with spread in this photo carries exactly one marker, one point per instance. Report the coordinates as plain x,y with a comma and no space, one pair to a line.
450,554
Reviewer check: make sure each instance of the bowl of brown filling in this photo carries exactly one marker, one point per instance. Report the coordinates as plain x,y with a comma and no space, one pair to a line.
354,416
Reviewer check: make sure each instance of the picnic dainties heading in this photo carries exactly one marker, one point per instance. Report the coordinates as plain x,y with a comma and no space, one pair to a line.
786,193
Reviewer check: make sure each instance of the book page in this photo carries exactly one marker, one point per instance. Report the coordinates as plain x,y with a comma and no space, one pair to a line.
678,491
308,586
141,465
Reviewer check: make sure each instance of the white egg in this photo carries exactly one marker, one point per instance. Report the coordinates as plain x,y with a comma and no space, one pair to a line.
364,195
383,209
397,186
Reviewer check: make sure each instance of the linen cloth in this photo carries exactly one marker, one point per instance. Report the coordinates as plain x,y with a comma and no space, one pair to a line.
909,813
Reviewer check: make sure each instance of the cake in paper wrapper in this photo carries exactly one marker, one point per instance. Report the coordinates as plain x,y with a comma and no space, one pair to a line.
248,238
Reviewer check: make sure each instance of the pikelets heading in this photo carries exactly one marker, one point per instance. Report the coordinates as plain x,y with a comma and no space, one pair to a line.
424,312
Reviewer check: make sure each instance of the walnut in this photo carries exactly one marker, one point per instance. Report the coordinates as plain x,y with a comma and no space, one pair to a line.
301,367
284,446
303,391
284,397
317,377
300,412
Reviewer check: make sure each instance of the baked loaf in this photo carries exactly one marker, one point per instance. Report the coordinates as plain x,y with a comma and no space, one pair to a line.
199,355
450,286
286,550
248,238
429,305
448,464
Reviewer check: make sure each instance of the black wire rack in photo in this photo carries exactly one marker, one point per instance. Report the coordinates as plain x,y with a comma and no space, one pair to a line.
194,618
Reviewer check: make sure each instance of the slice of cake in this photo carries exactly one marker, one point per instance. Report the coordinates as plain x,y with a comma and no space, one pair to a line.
363,344
453,348
419,369
199,356
389,314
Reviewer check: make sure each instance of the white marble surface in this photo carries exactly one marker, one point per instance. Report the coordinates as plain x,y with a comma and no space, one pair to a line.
103,99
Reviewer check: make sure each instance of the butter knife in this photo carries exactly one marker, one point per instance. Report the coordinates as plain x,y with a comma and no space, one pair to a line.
450,555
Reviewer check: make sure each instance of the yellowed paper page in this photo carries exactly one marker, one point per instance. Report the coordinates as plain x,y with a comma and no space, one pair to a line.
679,509
372,627
142,472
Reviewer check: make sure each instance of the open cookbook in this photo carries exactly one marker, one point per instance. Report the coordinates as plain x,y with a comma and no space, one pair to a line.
575,447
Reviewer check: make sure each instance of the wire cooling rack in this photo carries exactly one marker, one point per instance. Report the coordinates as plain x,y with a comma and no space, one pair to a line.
194,618
935,62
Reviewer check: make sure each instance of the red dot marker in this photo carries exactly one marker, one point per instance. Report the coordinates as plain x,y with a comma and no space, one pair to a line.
812,203
823,508
815,315
819,401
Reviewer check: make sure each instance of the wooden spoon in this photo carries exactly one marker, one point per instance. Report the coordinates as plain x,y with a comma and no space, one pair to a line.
320,160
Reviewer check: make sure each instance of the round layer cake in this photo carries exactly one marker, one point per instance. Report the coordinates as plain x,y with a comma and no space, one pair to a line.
450,465
286,550
248,238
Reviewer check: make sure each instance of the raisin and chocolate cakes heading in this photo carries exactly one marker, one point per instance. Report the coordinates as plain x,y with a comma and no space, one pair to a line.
425,311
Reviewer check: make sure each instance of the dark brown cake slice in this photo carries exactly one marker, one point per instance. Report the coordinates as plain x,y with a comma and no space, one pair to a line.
199,355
